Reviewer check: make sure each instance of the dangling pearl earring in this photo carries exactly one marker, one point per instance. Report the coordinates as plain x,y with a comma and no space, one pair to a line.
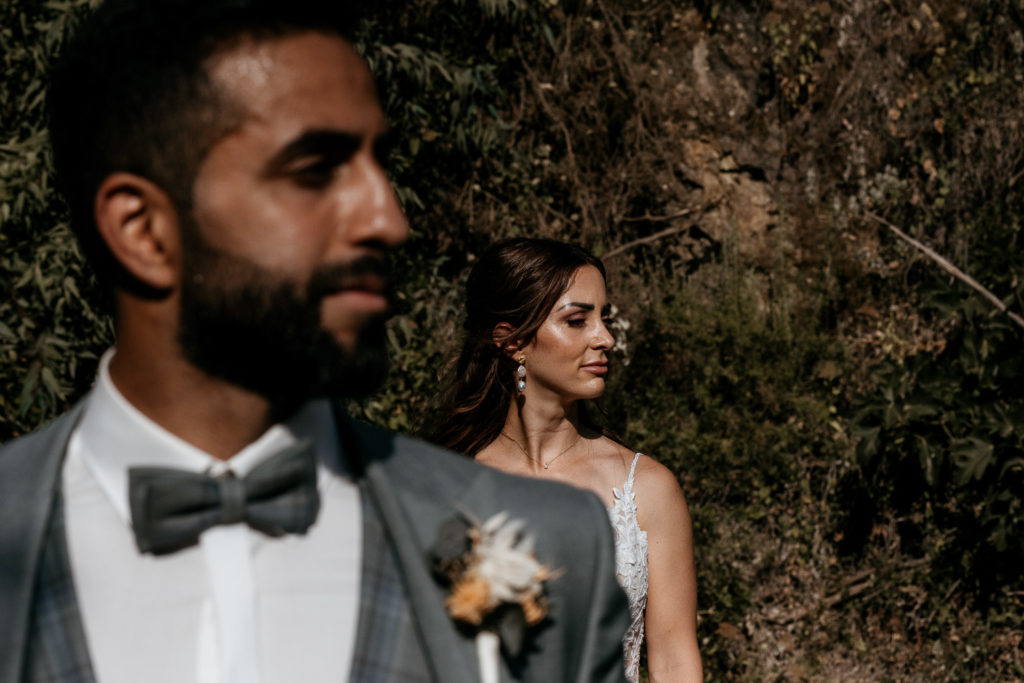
521,374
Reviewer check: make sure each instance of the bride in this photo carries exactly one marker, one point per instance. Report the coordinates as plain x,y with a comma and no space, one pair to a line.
536,349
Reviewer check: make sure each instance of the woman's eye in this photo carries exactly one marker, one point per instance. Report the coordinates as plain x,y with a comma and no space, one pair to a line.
576,322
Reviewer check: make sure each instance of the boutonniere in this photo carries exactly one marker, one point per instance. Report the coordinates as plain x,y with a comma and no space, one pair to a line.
495,583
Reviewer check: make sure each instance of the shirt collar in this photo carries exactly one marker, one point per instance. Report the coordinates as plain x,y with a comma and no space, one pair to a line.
114,436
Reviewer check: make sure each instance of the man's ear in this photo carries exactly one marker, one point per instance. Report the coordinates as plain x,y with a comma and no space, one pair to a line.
503,339
139,224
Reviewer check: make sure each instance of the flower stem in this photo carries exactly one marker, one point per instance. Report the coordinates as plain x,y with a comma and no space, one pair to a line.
487,645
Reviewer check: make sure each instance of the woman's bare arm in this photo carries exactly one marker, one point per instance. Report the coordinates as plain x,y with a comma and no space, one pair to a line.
671,619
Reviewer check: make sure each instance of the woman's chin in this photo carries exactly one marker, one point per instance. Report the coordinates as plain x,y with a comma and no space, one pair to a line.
594,389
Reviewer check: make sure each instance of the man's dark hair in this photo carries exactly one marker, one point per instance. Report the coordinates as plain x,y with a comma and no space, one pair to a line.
131,92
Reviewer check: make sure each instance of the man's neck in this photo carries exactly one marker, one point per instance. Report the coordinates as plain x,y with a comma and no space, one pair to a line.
213,415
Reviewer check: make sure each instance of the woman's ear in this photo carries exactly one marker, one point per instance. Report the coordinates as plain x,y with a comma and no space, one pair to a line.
139,224
503,339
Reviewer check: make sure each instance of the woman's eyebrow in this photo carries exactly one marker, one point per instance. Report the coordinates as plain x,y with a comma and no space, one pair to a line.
577,304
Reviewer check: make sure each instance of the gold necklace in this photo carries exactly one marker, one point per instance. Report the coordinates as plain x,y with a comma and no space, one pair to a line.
539,462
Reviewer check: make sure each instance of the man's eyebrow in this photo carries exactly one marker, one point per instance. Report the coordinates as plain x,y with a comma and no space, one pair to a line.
335,145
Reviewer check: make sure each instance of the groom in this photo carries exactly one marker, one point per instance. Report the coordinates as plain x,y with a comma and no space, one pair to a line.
207,513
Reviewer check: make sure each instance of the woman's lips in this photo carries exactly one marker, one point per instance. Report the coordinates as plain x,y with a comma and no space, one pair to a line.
596,368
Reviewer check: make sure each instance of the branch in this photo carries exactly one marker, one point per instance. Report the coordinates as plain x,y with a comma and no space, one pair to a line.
853,586
548,109
950,268
644,240
1015,178
649,217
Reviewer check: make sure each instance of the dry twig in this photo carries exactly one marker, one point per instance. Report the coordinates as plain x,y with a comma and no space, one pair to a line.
950,268
644,240
653,219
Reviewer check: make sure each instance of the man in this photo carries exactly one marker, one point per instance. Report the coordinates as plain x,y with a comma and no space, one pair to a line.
220,158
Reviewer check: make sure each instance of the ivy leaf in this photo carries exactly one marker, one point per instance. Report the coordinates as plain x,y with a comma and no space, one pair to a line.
972,457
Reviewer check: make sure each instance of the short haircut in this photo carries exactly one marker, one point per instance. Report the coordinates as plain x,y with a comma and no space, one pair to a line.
131,92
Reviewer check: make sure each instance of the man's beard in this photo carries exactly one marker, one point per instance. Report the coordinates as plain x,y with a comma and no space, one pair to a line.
255,329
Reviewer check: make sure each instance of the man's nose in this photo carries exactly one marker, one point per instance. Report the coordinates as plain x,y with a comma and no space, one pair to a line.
379,219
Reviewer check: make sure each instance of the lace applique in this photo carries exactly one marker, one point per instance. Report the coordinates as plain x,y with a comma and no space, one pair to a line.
631,568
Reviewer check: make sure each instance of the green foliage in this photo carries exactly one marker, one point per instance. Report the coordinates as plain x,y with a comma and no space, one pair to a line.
800,50
744,392
422,337
736,390
51,322
942,444
939,418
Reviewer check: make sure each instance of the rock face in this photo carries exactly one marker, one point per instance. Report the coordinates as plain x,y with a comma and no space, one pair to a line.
729,149
659,125
737,205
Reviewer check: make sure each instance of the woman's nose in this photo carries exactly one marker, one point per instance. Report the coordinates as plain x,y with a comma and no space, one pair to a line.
603,338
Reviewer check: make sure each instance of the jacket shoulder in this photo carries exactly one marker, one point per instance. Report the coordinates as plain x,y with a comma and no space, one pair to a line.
28,454
29,473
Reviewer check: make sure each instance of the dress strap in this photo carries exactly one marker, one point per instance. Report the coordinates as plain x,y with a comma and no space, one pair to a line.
632,471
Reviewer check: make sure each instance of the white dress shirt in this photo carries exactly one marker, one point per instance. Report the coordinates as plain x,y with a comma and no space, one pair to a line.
239,607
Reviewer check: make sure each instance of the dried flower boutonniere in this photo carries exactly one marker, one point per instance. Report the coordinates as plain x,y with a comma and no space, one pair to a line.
496,584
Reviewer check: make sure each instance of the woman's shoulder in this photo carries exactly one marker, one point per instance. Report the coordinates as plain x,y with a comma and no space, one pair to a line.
623,459
657,489
652,469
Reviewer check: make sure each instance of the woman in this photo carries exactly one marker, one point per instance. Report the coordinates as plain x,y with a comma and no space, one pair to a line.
537,348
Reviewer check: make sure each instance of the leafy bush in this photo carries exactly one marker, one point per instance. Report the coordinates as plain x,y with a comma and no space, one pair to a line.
52,322
738,392
942,444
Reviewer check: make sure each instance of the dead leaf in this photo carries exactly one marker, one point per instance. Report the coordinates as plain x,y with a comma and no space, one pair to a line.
727,630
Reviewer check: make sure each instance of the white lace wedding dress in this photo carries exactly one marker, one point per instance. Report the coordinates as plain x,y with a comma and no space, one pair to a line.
631,568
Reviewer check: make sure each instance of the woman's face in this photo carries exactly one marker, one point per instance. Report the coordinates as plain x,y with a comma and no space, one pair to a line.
569,354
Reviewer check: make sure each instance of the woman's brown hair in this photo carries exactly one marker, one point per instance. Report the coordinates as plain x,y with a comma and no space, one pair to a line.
516,282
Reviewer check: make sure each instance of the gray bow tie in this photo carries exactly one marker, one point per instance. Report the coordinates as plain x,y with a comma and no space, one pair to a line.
171,508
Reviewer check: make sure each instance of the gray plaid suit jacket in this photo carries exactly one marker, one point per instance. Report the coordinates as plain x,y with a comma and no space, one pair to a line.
404,634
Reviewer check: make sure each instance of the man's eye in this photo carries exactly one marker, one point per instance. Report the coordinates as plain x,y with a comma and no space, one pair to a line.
315,175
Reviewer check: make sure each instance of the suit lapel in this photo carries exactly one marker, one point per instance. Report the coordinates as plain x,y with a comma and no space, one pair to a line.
57,649
29,475
412,501
388,646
